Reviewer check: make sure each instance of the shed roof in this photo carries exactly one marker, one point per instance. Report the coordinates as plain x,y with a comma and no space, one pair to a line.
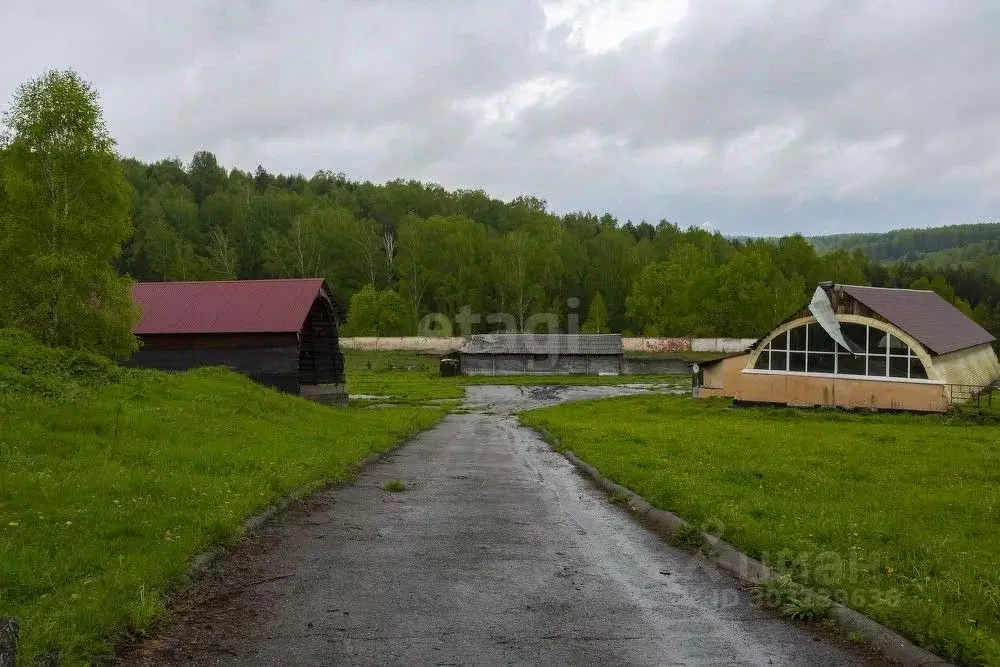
591,344
225,306
937,324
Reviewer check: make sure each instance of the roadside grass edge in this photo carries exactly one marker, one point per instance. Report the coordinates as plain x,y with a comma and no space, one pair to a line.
128,639
750,570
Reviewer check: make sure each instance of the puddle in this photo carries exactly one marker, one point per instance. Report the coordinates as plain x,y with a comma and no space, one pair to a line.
507,399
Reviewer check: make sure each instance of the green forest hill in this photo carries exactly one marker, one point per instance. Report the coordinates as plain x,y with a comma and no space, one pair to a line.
975,247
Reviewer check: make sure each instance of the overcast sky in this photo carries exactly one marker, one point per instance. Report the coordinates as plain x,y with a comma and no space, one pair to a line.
752,117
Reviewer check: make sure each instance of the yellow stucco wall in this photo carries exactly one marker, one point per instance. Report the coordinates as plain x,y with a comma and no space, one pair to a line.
845,393
974,366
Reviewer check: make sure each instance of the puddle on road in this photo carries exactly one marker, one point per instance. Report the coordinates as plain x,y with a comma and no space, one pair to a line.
507,399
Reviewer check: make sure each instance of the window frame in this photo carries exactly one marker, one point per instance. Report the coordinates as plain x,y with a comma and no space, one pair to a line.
893,345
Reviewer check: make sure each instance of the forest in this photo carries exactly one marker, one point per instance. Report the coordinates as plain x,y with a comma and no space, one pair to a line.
78,222
404,249
975,246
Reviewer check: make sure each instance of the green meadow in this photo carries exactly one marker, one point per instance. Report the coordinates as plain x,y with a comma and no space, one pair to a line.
112,480
897,516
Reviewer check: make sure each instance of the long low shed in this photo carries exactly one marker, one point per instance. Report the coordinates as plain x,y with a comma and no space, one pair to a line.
542,354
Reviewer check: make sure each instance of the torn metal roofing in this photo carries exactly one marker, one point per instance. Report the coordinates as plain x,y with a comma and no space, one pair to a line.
225,306
589,344
937,324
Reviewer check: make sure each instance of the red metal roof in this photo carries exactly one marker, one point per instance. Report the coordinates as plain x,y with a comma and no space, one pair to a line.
940,326
225,306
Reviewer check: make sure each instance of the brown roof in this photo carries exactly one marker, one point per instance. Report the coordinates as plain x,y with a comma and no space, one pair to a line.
225,306
938,325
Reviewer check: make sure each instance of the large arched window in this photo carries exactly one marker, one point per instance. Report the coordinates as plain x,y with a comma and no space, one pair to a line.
809,349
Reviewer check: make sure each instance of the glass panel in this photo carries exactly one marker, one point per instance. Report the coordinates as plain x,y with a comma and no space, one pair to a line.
762,364
819,339
780,342
877,340
848,364
778,361
917,369
797,362
896,346
876,364
797,338
898,367
856,334
819,363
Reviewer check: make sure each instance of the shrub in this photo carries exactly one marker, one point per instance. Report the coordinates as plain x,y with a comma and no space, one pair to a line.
792,599
29,367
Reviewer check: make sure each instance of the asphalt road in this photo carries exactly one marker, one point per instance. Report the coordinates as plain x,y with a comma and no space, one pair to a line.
498,553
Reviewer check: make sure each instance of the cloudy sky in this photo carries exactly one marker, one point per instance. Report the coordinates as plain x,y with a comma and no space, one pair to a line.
751,116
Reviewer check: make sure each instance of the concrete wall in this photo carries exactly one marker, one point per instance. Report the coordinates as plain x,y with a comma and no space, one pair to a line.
414,343
726,345
726,378
659,345
656,344
519,364
655,366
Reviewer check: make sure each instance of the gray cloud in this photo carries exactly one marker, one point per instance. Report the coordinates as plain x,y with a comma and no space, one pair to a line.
758,117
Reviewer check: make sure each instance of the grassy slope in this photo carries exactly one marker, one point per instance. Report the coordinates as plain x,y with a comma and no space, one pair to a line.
97,520
900,513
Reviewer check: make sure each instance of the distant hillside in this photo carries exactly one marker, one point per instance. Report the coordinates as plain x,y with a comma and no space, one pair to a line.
972,246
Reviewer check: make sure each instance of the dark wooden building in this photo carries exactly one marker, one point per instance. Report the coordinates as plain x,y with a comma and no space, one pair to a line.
281,333
542,354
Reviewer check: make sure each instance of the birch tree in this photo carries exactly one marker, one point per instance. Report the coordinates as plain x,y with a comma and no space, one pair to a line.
64,219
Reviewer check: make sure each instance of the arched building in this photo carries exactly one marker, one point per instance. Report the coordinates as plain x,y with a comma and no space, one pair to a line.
862,347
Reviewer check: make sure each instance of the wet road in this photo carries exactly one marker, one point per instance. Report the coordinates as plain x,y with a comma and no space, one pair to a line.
498,553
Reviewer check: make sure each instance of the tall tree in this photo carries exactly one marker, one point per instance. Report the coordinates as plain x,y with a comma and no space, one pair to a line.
64,219
597,316
675,297
225,260
376,313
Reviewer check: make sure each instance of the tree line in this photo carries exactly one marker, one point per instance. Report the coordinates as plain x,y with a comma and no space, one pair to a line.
78,223
401,250
975,246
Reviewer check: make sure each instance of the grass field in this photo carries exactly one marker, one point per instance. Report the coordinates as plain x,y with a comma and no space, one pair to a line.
414,377
897,516
111,481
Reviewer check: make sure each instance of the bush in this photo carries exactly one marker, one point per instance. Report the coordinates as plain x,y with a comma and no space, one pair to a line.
792,599
29,367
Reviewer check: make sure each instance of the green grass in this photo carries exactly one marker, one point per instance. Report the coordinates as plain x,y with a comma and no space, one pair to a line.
792,599
897,516
395,486
112,480
414,377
